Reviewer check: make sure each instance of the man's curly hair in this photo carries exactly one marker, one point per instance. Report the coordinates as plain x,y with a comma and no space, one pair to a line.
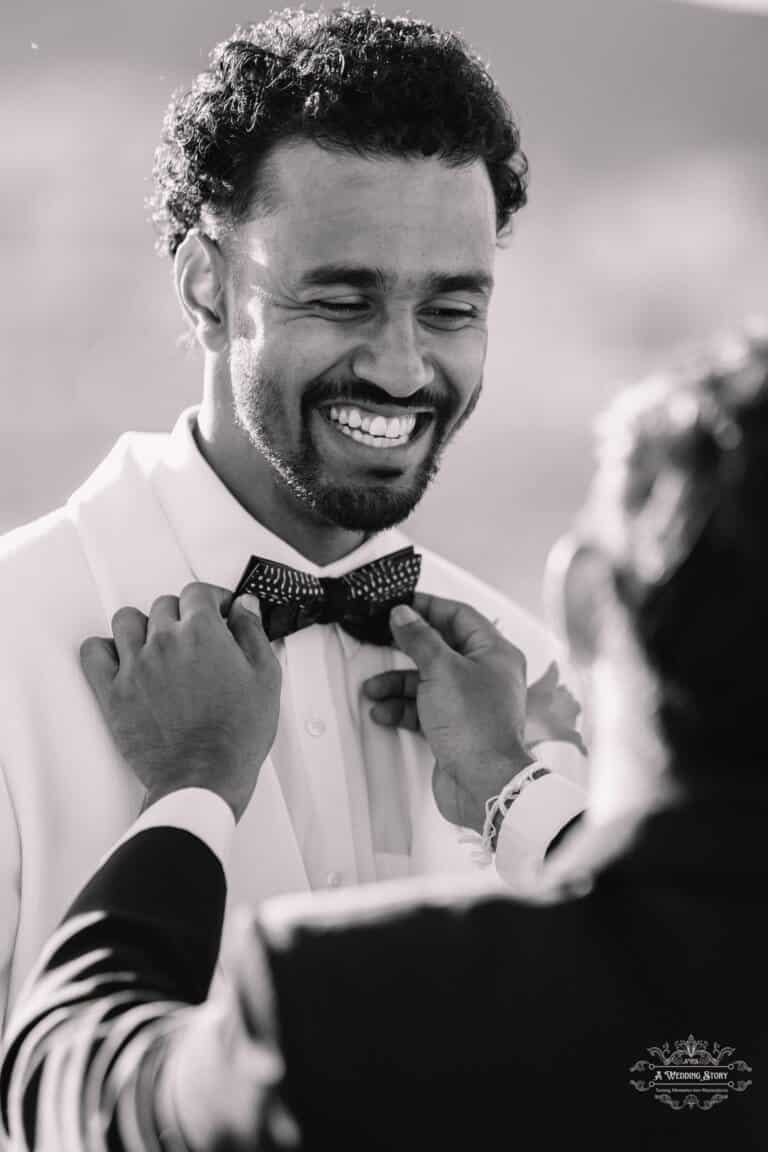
348,79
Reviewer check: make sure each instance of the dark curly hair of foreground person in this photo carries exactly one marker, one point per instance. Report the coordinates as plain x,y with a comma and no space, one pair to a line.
347,79
681,506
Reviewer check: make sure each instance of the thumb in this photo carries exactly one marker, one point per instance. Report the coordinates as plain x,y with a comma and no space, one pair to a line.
416,638
245,625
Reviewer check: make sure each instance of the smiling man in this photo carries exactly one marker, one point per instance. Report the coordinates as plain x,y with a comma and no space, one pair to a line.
331,190
346,328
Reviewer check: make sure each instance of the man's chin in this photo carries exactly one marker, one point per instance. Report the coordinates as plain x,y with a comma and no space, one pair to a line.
367,509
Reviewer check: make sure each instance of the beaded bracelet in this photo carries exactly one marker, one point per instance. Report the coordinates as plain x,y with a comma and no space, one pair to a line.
497,807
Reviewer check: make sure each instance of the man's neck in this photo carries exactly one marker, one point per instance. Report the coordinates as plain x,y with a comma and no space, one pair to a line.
255,485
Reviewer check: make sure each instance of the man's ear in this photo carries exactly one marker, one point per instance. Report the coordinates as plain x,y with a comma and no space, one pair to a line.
199,272
580,595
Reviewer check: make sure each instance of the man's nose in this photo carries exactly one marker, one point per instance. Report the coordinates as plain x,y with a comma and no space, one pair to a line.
393,358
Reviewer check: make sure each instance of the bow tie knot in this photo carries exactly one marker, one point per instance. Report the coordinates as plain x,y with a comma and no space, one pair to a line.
360,601
335,601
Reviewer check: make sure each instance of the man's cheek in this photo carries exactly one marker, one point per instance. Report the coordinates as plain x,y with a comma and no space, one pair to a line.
466,394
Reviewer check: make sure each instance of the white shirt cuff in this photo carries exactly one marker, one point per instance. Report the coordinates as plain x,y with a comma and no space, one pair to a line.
195,810
533,820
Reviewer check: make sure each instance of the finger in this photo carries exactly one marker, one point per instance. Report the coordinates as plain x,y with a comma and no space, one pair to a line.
246,627
403,682
400,713
462,627
129,628
417,638
209,598
99,661
163,614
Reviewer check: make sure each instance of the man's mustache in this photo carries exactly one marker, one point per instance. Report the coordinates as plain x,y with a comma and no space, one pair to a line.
360,392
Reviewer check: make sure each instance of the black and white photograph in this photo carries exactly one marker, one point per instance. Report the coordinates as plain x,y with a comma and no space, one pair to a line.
383,575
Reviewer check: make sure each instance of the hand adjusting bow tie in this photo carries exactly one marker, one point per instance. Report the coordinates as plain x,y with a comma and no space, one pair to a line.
360,601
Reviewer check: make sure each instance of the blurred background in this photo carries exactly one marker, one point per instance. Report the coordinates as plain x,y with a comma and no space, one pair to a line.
646,126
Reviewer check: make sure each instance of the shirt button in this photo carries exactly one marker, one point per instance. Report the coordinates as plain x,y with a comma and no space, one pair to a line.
315,726
333,879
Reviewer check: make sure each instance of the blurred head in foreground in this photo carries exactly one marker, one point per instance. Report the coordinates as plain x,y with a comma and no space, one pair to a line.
663,588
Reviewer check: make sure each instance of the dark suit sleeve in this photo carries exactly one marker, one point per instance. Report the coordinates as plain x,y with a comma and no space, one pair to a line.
408,1018
139,943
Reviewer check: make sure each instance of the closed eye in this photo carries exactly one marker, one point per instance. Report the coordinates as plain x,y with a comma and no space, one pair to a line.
343,307
448,319
468,313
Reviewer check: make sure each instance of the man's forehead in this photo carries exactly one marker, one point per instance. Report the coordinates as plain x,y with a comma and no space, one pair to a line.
378,213
301,172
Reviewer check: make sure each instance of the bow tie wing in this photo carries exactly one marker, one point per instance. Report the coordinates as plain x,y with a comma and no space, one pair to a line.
289,599
278,583
380,585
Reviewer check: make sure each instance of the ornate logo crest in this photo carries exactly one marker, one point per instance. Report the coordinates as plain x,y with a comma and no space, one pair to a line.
687,1074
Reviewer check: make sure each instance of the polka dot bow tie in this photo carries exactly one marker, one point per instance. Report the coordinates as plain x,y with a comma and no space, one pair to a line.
360,601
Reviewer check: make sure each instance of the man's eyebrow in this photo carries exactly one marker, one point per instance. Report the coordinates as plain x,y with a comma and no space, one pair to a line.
460,282
358,276
354,275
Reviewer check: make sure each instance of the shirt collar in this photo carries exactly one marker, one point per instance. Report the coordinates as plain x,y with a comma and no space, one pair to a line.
218,536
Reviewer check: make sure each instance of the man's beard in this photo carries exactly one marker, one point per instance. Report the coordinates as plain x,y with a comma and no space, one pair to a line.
370,507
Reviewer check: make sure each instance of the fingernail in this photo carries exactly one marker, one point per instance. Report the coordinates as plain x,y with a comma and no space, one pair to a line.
251,604
403,614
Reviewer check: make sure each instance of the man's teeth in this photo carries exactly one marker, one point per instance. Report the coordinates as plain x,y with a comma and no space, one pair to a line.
379,431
